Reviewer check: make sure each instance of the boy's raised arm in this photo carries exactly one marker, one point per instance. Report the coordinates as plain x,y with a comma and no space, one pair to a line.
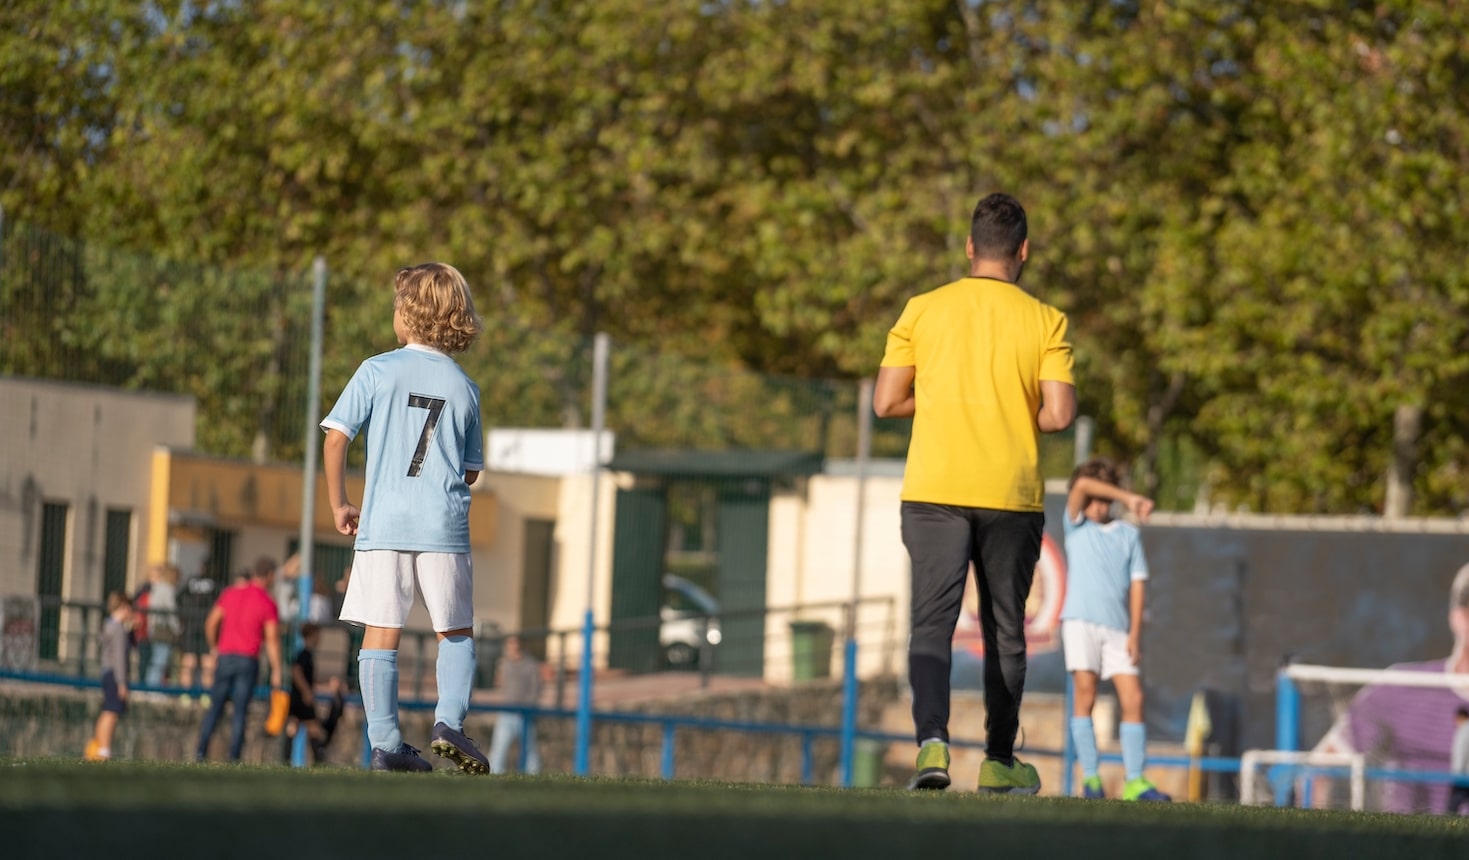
1084,488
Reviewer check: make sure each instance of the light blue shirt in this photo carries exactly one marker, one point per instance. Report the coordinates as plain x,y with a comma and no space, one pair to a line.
1102,560
421,414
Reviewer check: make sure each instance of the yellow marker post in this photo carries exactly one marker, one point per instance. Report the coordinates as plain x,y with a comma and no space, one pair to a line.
1195,733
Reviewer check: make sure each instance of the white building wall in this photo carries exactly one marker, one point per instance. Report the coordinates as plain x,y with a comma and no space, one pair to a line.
500,569
812,544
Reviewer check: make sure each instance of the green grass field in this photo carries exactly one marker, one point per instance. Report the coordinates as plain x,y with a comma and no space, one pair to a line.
51,809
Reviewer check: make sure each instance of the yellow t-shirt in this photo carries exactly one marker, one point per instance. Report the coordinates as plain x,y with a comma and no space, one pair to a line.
979,348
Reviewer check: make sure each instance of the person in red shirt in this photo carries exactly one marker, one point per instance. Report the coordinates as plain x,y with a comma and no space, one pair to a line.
242,620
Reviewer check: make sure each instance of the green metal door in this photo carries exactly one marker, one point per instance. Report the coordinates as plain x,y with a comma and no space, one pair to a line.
116,552
637,576
50,569
744,538
535,584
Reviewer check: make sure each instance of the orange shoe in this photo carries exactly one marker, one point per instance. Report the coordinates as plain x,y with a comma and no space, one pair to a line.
91,751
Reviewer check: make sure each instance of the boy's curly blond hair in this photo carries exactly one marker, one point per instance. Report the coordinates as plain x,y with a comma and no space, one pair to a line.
437,307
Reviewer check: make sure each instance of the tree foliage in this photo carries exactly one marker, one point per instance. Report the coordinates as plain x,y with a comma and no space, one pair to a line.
1251,210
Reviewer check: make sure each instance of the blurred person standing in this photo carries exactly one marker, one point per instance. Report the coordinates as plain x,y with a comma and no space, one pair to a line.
520,684
163,621
242,622
116,642
983,368
196,661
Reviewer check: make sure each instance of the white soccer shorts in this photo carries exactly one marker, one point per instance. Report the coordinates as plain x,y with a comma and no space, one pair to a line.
380,592
1093,648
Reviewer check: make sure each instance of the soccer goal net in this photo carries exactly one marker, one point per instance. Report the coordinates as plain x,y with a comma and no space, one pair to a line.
1368,739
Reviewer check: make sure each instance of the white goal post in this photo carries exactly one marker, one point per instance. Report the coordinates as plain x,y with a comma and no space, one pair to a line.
1302,763
1386,677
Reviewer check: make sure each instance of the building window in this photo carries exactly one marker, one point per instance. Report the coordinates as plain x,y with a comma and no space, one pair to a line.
116,551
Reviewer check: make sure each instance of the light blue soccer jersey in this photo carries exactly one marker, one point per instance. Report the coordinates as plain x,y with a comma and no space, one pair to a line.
1102,560
421,413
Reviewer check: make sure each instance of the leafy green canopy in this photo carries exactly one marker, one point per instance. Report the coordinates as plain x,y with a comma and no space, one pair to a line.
1250,210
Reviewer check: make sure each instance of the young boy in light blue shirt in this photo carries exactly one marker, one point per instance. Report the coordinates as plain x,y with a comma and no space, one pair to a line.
1102,619
424,449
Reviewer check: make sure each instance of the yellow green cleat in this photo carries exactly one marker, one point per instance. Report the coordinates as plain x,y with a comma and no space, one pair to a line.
933,767
1141,790
1018,778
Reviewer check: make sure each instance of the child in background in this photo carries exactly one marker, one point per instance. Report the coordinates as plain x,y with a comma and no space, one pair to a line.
425,449
116,639
1102,619
302,709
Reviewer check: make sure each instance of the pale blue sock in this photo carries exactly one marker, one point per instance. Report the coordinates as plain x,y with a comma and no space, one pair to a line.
1134,749
378,674
456,677
1084,738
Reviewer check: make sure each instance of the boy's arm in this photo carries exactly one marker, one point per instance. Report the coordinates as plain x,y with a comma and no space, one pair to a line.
334,463
470,476
1138,505
1136,597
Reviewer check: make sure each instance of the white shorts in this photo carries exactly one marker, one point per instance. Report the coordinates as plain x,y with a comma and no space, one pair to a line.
1093,648
380,592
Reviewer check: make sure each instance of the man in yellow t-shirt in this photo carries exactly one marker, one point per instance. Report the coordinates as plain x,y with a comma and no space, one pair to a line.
983,368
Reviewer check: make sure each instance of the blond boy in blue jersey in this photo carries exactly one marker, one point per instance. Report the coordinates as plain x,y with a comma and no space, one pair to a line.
424,450
1102,619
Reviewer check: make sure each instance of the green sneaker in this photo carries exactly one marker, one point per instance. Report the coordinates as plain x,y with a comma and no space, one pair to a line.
1141,790
933,767
1018,778
1091,788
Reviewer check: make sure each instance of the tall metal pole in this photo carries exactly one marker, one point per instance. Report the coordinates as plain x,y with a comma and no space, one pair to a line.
850,690
601,347
308,476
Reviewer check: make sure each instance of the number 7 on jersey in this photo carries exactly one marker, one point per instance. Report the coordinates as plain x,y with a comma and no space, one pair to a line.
435,407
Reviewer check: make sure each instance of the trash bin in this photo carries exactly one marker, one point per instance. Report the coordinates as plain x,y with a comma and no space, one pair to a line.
867,762
811,643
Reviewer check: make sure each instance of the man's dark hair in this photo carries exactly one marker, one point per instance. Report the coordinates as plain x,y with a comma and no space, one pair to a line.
1462,713
998,228
264,566
1097,467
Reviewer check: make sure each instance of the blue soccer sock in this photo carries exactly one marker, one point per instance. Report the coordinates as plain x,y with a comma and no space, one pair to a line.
1134,749
1084,738
455,671
378,674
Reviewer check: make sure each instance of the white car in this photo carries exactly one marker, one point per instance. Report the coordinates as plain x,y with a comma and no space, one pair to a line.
688,619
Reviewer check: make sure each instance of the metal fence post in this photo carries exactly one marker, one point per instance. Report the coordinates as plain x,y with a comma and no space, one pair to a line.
600,348
850,689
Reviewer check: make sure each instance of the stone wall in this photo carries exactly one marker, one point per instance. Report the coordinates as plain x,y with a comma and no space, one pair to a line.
45,721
